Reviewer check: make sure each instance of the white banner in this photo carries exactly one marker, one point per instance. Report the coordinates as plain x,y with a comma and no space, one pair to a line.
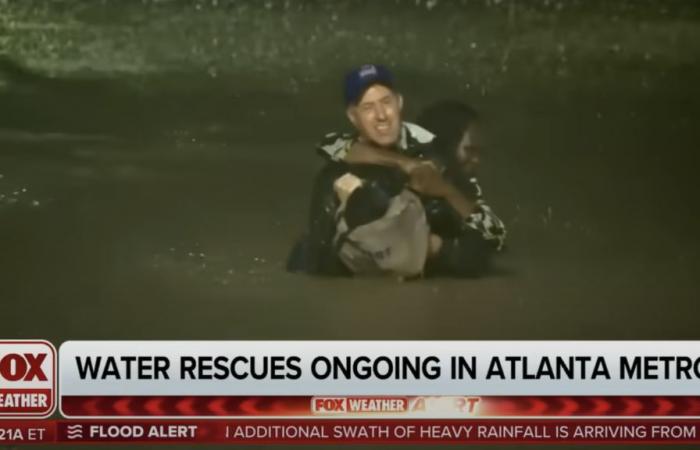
379,368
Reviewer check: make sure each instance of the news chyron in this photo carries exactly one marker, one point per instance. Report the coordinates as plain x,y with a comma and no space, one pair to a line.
27,379
362,392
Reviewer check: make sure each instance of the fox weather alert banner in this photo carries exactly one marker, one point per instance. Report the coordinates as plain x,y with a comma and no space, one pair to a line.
350,391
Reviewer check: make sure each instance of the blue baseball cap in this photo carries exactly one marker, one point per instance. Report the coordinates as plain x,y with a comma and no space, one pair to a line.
357,81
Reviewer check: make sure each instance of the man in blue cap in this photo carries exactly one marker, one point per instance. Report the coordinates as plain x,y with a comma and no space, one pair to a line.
389,155
374,107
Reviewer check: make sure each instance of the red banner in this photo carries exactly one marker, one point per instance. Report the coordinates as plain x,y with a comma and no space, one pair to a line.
332,431
300,406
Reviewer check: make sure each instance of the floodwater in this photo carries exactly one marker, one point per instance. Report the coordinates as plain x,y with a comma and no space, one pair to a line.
156,160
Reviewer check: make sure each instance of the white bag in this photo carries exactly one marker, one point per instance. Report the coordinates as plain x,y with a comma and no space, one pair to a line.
396,243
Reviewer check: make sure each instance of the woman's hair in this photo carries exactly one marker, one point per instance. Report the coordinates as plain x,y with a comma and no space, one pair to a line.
448,120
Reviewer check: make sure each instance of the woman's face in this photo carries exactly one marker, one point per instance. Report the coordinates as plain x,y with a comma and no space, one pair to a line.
468,150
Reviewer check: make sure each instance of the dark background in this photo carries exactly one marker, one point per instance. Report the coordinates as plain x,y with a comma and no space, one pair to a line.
156,159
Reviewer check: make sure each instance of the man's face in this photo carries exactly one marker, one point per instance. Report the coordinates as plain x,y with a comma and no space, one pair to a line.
377,116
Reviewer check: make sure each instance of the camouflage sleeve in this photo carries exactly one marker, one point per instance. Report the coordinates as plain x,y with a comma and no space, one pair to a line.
334,146
485,221
323,258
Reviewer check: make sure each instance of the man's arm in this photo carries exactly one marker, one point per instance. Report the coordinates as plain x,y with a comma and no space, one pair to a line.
461,203
342,148
425,178
432,183
484,220
423,174
465,250
472,235
322,257
489,225
362,153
